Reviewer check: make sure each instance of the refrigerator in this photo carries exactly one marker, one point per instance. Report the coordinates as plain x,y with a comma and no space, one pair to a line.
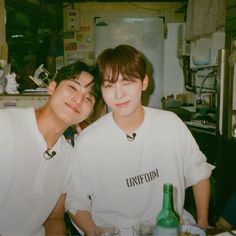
226,164
147,35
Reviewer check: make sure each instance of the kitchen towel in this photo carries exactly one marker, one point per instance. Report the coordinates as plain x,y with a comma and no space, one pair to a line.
204,17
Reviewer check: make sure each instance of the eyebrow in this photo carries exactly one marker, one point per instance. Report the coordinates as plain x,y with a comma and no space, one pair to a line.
85,86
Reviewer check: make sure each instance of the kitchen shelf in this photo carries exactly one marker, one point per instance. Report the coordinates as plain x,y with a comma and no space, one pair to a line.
202,67
195,77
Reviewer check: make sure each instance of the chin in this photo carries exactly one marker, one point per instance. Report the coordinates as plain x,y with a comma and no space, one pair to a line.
124,113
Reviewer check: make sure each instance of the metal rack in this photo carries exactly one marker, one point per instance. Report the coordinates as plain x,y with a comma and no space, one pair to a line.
196,77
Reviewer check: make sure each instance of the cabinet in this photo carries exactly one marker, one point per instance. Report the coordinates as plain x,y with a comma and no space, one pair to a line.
226,175
230,15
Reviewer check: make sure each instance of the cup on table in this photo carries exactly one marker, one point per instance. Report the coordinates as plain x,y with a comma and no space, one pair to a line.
106,230
144,228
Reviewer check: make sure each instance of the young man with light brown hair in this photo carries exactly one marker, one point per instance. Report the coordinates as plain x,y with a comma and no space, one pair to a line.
124,158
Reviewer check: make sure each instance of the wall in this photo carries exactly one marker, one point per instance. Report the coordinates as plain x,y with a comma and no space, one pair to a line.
79,33
81,25
2,30
173,73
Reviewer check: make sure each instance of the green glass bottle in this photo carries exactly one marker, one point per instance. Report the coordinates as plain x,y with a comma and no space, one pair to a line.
167,221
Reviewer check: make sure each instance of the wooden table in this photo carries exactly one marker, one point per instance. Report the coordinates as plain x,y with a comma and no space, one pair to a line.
215,231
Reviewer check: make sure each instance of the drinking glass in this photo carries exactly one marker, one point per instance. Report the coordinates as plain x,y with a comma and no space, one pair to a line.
143,229
106,230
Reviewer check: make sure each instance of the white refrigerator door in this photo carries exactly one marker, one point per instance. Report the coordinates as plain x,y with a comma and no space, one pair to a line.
147,35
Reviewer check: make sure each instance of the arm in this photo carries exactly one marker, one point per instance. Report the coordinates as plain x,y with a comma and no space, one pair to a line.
201,192
84,221
55,224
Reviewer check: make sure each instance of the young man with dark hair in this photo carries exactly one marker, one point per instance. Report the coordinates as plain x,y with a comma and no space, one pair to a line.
35,157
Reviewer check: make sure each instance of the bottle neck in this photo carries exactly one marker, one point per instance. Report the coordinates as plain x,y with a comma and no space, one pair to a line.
168,199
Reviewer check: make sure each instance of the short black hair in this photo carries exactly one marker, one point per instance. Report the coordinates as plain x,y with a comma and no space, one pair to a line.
73,70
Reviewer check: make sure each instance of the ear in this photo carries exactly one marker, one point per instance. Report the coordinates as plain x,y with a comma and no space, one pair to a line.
51,87
145,83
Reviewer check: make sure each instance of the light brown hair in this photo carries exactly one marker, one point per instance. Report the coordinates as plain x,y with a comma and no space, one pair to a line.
123,59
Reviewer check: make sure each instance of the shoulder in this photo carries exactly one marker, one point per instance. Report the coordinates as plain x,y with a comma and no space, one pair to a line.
15,113
164,121
161,115
98,125
93,133
7,116
16,119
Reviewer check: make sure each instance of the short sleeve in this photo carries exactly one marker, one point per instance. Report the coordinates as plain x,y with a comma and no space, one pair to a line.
196,167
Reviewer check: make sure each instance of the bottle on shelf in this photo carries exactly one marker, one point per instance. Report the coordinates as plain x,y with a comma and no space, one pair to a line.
167,220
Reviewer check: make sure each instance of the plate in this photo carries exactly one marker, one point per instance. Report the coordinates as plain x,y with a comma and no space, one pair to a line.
192,229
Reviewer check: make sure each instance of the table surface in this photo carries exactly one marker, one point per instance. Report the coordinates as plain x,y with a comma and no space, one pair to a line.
220,232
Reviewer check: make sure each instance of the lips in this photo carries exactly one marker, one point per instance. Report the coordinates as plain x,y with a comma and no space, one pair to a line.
73,107
122,104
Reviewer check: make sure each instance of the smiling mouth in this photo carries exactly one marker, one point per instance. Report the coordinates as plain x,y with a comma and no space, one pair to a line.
123,104
74,108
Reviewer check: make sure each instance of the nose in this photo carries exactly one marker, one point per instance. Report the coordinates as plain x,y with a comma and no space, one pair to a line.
119,93
79,96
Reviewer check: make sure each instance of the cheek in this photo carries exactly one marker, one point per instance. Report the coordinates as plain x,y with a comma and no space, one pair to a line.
107,94
134,91
85,112
88,111
61,94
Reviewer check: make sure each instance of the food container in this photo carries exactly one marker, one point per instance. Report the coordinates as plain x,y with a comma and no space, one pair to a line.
191,230
200,60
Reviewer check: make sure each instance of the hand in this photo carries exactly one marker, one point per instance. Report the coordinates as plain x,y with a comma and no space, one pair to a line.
97,231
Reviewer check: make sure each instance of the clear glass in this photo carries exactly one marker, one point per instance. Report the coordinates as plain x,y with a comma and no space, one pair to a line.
143,229
106,230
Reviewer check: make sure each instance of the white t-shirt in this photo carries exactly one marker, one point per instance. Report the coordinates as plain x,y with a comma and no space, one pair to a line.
30,186
121,181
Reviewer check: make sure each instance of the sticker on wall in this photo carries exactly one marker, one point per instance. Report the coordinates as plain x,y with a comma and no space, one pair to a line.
79,37
70,46
85,28
89,39
69,35
73,20
82,47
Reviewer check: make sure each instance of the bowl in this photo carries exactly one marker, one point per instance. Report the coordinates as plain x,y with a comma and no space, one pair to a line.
192,229
172,103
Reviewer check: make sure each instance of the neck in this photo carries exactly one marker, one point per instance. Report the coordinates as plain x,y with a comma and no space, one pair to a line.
50,129
132,122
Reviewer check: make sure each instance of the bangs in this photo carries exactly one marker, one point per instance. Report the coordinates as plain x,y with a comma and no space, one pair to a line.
123,60
118,66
